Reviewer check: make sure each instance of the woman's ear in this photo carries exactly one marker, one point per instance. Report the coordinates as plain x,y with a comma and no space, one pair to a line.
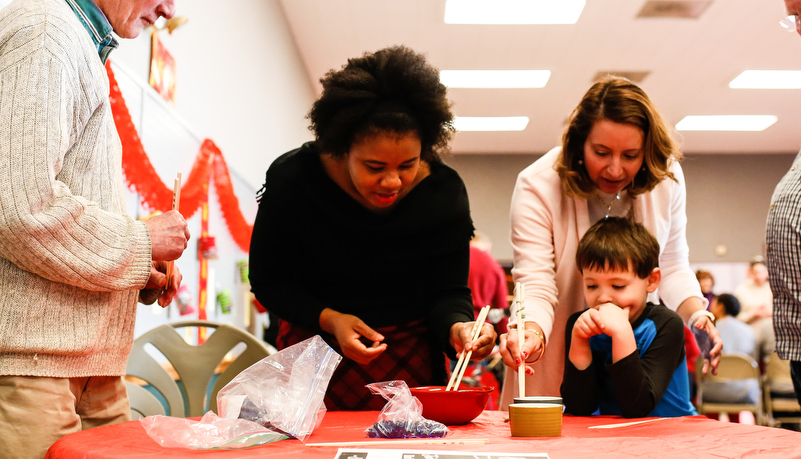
653,280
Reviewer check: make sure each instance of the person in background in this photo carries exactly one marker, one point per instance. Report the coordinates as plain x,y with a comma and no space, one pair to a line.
487,282
738,338
618,159
625,355
363,235
756,302
783,247
73,264
707,282
754,294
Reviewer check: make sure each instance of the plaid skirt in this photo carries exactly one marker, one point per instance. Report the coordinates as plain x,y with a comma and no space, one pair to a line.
407,357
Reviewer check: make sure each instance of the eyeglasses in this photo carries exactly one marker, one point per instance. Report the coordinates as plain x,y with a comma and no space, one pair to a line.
790,23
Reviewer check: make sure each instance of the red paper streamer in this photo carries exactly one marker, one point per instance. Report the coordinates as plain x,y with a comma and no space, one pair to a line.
141,177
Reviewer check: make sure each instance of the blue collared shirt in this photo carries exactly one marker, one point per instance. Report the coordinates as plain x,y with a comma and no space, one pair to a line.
96,23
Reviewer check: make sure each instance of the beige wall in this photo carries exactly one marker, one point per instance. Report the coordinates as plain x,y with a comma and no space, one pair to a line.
728,198
240,80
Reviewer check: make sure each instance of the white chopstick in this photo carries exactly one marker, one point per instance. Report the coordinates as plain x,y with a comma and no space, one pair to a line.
464,360
624,424
409,441
176,200
520,308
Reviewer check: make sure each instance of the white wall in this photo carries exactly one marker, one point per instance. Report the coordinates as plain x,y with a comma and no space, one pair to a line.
240,81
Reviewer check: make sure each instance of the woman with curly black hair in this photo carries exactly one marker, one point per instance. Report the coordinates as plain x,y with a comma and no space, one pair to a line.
362,236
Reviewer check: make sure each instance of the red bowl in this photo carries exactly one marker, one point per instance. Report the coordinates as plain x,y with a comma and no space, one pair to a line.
452,408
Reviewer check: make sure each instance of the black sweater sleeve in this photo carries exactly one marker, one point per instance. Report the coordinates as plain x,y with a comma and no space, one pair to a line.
639,381
275,271
579,387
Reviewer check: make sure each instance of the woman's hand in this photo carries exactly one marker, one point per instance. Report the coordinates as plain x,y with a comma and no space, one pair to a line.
513,353
704,323
686,310
349,331
462,339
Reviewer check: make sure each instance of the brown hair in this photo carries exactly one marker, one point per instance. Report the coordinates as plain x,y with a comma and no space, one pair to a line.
620,101
704,274
614,243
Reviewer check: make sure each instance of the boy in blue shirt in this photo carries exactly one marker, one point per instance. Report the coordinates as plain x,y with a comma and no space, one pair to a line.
625,355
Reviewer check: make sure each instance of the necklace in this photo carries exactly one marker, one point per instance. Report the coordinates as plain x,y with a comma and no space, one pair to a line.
609,204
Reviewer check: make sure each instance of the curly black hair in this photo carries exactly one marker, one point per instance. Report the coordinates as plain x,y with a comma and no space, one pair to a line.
391,90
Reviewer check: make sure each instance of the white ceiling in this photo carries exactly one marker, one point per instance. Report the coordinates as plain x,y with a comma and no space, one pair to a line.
690,61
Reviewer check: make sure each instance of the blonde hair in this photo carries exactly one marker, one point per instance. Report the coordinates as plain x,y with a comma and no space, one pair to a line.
620,101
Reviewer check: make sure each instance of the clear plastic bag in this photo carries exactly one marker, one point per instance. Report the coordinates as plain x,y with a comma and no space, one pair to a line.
210,432
402,416
278,397
283,392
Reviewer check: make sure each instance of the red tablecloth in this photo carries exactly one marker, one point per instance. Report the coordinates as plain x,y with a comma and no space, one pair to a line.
695,437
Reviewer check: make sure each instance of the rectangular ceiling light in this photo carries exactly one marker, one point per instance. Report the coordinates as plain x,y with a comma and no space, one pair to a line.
513,11
726,123
494,78
490,123
767,79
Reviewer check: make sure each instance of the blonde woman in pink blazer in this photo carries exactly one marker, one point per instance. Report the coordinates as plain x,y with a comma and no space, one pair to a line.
617,158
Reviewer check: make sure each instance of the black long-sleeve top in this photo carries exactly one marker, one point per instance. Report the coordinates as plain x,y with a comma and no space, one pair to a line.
314,247
651,381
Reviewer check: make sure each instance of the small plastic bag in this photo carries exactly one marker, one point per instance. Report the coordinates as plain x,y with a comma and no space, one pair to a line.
210,432
703,341
284,391
402,416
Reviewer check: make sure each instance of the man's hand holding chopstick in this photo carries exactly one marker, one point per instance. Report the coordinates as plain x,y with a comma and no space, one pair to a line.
169,237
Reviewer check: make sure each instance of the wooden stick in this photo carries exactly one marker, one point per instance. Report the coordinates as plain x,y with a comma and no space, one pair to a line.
408,441
482,316
461,362
176,200
520,311
624,424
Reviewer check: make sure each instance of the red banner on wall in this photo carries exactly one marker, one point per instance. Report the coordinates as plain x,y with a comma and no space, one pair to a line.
209,164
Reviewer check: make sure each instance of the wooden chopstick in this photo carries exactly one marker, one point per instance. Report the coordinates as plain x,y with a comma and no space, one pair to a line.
176,200
624,424
462,363
482,316
520,308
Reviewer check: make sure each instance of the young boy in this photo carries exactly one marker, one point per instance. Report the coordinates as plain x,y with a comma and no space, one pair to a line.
625,355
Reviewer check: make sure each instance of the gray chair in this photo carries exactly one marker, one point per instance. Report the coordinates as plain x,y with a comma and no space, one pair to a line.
781,404
194,365
732,368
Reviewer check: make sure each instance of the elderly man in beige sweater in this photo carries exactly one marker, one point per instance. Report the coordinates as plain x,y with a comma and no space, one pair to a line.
73,264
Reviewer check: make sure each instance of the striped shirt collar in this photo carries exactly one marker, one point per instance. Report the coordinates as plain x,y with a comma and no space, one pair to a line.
96,23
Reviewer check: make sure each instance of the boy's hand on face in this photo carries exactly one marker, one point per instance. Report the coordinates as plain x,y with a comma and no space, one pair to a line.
588,325
615,318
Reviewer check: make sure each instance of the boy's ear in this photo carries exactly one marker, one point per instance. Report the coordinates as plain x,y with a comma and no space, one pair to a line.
653,279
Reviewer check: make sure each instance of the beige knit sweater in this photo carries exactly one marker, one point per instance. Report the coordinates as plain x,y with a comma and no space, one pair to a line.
71,260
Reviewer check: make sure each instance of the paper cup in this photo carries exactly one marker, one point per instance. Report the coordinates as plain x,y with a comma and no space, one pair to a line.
535,419
538,399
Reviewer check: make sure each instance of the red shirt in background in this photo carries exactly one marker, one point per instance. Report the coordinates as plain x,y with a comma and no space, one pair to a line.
487,282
